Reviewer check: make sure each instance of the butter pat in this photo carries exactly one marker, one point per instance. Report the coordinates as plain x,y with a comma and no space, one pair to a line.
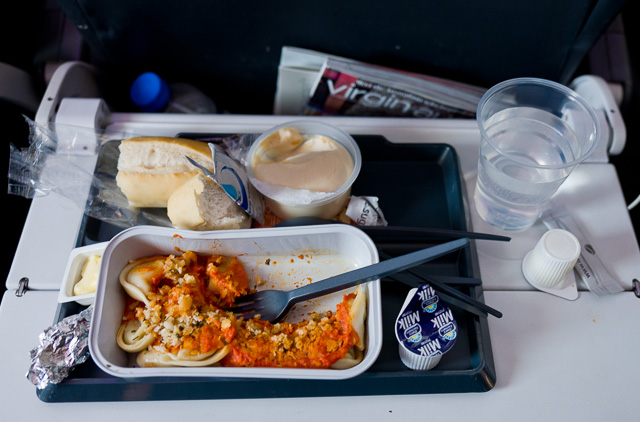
88,276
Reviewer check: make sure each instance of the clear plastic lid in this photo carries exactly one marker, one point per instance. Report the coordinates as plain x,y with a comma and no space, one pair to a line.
293,196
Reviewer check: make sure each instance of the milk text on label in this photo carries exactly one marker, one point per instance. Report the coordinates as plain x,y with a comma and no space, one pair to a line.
409,320
442,319
426,293
430,348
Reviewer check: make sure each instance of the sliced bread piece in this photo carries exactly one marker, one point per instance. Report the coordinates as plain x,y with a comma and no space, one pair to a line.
201,204
150,168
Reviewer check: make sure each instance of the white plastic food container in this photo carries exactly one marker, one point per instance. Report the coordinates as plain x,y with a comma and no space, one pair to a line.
284,257
73,273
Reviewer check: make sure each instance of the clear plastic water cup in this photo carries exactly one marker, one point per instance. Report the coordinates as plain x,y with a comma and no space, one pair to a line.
534,132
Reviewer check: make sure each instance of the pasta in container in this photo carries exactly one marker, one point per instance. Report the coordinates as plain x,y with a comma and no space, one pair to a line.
162,294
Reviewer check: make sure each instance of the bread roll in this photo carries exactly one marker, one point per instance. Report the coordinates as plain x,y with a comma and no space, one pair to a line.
201,204
150,168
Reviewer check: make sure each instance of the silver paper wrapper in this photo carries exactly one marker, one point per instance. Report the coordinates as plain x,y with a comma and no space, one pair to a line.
61,347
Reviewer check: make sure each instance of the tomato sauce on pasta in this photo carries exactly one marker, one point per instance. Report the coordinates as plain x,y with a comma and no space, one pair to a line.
180,319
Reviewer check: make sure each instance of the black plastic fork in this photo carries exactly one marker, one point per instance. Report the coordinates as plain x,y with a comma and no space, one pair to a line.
273,305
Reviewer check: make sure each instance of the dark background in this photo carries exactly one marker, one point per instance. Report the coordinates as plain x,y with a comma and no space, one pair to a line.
475,42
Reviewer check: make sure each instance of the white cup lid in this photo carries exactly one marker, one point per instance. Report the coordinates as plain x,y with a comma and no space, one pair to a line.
552,259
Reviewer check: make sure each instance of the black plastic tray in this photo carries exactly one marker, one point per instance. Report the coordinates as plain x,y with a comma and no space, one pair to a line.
417,185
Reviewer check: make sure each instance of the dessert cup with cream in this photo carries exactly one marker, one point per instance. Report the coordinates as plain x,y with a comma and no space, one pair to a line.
304,168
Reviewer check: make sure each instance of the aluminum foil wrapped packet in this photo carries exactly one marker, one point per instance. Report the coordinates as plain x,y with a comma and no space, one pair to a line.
61,347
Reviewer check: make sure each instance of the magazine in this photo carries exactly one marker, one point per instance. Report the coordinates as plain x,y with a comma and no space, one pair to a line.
297,75
348,88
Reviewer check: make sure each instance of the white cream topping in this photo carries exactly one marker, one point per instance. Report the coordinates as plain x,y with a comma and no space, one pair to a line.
313,162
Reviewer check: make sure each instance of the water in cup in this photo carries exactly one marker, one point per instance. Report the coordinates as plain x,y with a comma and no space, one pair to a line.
526,152
515,193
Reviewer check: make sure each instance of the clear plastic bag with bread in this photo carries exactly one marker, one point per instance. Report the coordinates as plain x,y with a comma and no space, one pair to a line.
136,180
